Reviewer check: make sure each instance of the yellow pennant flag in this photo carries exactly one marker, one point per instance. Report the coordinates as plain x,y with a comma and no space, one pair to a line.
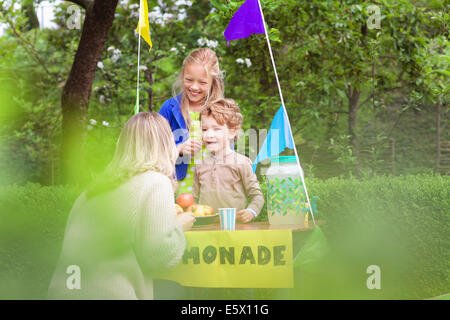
143,27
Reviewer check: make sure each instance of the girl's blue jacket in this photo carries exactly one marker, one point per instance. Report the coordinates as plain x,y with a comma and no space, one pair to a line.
171,110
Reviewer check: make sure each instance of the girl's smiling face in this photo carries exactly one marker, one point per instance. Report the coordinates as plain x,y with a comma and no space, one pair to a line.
196,84
216,137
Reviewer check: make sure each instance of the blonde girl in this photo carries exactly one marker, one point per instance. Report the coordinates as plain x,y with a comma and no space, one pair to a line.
200,81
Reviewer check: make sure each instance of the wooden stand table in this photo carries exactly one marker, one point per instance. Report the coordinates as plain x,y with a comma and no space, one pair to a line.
264,225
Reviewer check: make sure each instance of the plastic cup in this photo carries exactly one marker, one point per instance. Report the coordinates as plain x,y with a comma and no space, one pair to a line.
227,218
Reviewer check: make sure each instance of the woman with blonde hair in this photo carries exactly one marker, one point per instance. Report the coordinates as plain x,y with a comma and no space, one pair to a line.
199,81
124,227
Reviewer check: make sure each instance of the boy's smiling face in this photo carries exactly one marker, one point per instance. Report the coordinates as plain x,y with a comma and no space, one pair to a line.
216,137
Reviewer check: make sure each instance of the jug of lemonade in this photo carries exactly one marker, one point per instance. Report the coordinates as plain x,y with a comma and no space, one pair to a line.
286,198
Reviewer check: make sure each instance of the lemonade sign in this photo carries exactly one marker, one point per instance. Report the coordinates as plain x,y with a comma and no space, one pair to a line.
235,259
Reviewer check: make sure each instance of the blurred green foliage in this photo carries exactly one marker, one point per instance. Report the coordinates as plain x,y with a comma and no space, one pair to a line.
33,220
320,47
400,224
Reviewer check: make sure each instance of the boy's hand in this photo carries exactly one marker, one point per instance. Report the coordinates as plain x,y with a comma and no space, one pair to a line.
244,216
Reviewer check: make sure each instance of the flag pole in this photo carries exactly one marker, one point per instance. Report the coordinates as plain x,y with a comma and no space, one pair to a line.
284,108
136,108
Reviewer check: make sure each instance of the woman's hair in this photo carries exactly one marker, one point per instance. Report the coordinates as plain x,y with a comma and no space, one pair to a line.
225,112
208,59
145,144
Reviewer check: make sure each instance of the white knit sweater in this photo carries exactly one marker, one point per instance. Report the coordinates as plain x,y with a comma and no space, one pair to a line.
117,239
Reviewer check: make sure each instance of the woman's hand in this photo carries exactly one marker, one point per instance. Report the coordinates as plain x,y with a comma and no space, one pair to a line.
191,147
186,220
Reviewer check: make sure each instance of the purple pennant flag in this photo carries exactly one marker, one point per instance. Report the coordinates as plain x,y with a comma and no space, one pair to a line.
246,20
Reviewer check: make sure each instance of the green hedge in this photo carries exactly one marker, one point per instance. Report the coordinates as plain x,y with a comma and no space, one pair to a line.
32,223
400,224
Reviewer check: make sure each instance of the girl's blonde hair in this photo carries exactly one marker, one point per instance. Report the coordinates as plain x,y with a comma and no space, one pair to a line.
145,144
208,59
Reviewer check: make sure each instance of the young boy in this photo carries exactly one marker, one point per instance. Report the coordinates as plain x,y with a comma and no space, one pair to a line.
225,179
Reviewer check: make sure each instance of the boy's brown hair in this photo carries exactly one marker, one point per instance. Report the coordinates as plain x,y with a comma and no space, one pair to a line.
225,112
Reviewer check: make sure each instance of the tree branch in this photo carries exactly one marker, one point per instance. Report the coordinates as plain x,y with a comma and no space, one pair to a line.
320,39
349,91
373,94
367,100
28,46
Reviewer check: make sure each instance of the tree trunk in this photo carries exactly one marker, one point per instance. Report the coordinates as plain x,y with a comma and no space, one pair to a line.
438,137
30,13
353,106
393,157
77,90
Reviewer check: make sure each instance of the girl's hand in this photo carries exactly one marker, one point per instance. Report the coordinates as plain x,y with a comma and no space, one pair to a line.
191,147
186,220
244,216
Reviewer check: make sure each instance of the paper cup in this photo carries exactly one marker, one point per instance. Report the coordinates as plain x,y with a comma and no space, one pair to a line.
227,218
